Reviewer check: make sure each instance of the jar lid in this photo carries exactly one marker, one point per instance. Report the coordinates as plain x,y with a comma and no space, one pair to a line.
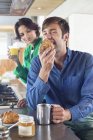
26,119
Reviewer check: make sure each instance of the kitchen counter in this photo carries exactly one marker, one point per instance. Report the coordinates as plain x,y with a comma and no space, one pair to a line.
47,132
19,88
43,132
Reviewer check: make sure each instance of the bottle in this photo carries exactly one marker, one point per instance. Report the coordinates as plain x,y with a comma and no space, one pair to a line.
26,126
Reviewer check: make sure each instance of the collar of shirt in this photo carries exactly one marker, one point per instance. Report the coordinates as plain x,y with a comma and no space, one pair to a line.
67,60
68,56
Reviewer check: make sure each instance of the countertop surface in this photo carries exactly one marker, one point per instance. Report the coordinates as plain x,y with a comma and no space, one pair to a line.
43,132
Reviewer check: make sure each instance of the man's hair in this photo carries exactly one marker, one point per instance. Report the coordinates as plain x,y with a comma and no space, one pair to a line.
29,24
60,21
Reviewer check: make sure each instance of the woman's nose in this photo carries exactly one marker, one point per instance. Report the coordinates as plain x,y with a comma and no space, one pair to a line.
26,36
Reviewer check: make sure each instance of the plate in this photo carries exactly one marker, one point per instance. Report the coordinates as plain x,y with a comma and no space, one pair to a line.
8,125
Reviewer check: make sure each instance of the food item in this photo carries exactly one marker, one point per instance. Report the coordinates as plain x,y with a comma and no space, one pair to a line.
10,117
26,126
45,44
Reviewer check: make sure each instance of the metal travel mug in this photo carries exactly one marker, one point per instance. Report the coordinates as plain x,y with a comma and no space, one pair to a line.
43,113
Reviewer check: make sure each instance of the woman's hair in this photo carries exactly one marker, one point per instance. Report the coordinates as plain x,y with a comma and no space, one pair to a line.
29,24
60,21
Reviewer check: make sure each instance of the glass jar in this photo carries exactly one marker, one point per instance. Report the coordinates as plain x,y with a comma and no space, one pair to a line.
1,123
26,126
4,132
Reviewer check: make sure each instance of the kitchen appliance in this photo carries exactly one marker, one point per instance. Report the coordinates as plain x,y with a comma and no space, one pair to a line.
7,96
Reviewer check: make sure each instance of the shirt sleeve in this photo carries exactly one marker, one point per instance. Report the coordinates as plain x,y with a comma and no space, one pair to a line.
85,106
21,72
27,57
36,88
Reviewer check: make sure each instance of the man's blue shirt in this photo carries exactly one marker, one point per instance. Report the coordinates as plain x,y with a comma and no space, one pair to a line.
71,87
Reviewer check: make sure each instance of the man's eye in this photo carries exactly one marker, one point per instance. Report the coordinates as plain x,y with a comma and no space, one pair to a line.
44,34
53,32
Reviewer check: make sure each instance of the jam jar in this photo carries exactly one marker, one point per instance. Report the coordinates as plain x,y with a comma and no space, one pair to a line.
26,126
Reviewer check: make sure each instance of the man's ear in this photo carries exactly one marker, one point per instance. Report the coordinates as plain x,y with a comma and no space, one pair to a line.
66,37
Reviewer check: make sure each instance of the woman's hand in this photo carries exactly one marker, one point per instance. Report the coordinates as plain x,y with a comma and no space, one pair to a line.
59,114
14,57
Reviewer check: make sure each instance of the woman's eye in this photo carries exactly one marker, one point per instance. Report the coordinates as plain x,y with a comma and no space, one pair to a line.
28,31
21,35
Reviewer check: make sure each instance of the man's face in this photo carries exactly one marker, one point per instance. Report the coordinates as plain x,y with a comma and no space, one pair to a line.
53,33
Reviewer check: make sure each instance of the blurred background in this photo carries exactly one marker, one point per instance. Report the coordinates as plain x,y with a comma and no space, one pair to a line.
79,14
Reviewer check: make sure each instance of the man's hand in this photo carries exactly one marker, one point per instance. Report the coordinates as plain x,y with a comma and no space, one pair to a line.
47,62
60,114
22,103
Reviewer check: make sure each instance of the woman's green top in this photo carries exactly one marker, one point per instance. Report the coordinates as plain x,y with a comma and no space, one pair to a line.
21,71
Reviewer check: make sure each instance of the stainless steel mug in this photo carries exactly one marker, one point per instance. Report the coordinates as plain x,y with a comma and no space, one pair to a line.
43,113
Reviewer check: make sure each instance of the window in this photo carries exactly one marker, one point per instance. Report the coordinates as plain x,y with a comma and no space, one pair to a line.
5,41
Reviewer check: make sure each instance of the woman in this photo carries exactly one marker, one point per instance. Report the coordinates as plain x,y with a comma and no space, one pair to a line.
28,31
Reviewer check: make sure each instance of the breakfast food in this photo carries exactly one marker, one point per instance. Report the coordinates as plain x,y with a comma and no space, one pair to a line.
45,44
10,117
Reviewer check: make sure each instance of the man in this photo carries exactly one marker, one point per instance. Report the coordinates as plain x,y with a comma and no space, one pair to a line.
63,78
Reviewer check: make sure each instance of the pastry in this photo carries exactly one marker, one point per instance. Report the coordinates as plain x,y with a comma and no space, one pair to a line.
10,117
45,44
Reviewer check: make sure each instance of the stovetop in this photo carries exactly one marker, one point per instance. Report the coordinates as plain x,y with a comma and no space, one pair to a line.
7,96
